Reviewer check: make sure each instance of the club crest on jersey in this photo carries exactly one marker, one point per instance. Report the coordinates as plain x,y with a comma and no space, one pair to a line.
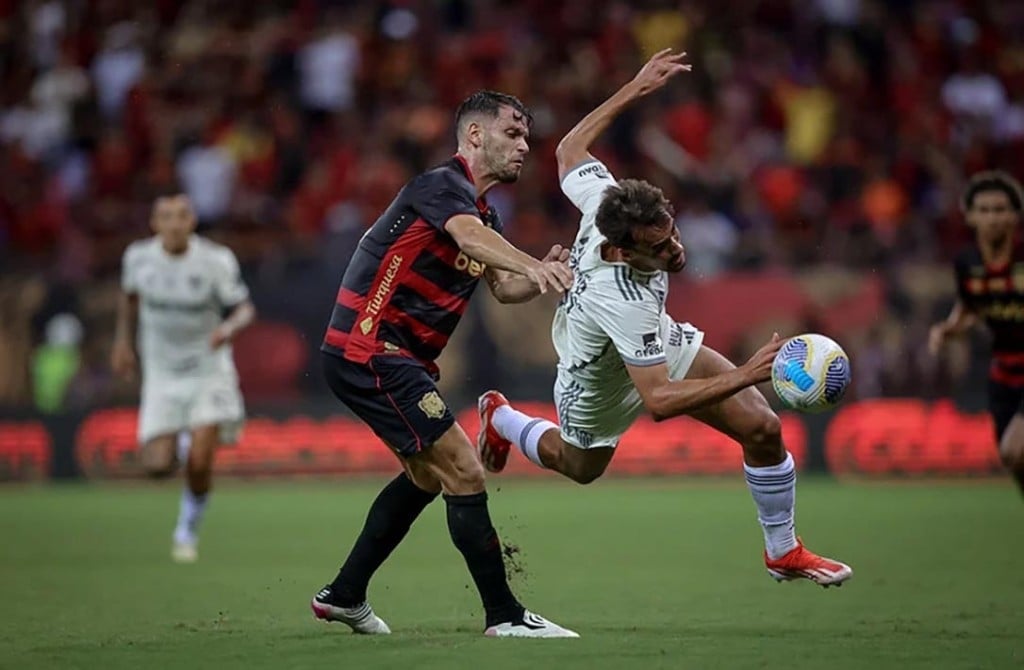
432,405
366,325
194,282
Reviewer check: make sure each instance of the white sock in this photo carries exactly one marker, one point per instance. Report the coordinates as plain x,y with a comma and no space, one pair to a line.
774,491
184,444
521,430
190,514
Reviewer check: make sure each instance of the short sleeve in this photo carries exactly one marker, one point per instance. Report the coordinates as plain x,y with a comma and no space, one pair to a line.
439,195
633,324
130,263
585,184
229,287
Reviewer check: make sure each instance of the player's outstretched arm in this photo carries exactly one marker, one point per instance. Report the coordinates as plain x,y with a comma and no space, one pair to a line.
960,320
575,146
123,360
664,399
487,246
240,318
508,287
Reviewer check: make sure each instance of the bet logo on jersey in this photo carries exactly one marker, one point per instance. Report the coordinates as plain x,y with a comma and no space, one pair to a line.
473,268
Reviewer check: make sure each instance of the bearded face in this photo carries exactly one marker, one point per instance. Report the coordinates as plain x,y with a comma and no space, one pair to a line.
505,144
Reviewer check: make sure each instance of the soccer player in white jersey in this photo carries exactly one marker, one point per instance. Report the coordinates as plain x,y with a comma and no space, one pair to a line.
620,354
176,289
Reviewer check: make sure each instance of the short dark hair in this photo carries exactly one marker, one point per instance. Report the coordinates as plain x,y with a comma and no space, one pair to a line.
632,203
169,190
992,180
490,103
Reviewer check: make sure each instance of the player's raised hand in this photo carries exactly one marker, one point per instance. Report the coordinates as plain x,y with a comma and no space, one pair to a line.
123,361
760,364
659,69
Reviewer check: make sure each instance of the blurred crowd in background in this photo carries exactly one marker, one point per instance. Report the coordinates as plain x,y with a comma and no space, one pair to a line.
814,156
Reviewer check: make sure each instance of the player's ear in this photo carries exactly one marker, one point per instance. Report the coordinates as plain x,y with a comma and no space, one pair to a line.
475,134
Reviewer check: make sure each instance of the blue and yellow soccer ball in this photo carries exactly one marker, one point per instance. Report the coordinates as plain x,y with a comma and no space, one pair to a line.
811,373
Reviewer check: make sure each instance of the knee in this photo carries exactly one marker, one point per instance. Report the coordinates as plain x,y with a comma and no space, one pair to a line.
763,438
198,467
467,476
1011,454
422,478
585,478
587,474
201,456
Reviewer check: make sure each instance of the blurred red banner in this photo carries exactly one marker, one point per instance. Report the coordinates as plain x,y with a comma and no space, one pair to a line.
869,438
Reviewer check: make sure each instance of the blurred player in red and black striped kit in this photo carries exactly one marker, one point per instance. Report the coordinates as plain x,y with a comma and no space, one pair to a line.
402,295
990,287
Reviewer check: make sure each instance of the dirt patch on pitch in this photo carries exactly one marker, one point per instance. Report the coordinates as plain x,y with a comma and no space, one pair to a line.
512,555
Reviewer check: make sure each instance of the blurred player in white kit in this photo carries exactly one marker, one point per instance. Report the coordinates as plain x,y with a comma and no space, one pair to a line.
177,288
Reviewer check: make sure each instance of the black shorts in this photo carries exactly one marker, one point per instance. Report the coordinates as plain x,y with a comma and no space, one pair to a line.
1004,402
395,396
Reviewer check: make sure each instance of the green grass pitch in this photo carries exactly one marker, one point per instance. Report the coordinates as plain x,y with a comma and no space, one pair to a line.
662,573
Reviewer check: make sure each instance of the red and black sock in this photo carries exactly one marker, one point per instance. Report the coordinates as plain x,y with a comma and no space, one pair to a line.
470,526
389,519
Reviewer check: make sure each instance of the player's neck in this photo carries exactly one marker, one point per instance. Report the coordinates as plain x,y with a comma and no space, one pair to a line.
611,254
478,174
177,252
996,252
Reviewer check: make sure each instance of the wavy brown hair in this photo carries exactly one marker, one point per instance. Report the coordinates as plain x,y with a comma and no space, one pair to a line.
632,203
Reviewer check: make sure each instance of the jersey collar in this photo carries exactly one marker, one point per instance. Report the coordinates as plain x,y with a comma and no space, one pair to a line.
460,162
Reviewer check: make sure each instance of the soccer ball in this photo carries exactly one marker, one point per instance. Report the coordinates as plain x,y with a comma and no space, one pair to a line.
811,373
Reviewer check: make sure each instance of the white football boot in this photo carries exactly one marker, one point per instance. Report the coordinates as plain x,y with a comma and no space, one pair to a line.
532,625
185,550
360,618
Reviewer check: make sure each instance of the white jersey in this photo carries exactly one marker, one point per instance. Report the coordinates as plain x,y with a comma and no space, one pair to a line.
182,300
613,315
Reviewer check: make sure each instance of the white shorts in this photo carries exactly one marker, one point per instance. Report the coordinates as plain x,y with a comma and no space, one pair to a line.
170,405
591,417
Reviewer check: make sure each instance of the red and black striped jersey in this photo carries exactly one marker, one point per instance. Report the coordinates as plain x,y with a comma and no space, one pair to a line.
996,294
408,283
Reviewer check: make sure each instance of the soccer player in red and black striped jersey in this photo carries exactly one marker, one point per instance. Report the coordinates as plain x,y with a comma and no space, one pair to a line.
990,288
402,295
